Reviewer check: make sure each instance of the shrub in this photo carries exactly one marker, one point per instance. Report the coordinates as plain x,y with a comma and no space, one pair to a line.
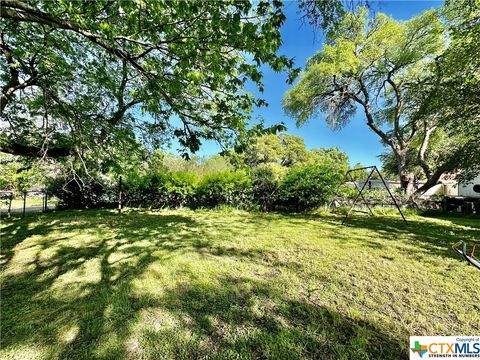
265,184
347,192
180,188
301,188
79,193
225,188
158,190
148,190
309,186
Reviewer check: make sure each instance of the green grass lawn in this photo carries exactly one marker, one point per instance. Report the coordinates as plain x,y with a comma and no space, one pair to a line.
231,285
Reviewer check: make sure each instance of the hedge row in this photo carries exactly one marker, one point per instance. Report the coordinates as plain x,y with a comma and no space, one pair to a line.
268,188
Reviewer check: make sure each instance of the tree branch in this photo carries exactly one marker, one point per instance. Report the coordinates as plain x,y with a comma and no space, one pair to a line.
398,108
16,148
432,180
13,84
369,116
423,148
27,13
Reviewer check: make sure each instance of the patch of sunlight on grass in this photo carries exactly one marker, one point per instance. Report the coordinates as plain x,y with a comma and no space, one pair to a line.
22,261
68,334
78,282
24,352
109,346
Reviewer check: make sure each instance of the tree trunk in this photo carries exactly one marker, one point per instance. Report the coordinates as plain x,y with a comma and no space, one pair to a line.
423,148
403,174
431,181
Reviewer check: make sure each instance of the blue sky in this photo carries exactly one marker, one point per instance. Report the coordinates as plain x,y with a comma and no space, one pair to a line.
300,42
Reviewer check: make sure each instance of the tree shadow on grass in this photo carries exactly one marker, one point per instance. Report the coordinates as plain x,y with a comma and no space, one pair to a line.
243,318
79,302
33,311
14,232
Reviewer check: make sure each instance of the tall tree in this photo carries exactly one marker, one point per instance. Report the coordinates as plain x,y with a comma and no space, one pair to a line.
369,64
78,74
447,101
283,149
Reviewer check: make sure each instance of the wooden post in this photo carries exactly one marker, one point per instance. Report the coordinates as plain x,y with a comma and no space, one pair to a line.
10,204
24,201
120,195
46,201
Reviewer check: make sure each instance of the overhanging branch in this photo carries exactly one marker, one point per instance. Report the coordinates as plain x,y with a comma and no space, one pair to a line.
15,148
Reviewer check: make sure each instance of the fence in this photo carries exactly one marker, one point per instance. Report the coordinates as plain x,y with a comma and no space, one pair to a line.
24,201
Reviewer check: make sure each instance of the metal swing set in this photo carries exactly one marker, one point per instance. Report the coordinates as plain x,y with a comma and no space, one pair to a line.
348,175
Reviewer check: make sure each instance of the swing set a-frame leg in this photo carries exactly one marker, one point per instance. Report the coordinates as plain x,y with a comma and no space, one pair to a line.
391,196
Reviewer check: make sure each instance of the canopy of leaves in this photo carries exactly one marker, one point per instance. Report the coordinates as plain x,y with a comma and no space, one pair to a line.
448,100
198,165
322,13
334,155
17,174
358,63
283,149
327,14
76,75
